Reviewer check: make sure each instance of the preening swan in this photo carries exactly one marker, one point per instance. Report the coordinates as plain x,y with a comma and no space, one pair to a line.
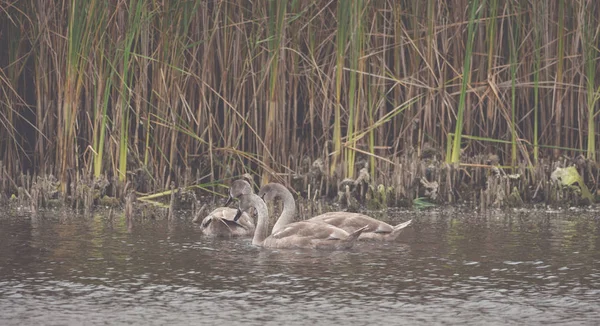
220,222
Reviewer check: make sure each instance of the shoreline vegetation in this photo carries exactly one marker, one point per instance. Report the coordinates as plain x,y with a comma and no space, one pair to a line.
370,103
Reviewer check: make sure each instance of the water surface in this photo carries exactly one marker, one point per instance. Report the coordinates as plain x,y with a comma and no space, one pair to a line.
524,267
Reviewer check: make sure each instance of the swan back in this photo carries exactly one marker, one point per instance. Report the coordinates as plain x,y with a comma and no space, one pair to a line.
312,235
376,230
220,223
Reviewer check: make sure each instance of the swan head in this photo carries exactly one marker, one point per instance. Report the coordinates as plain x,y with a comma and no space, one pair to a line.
238,188
270,191
245,202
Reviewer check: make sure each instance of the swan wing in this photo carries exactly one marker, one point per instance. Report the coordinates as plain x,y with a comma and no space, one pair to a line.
220,223
311,230
351,222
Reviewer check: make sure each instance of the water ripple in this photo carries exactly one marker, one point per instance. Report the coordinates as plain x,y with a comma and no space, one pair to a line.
522,268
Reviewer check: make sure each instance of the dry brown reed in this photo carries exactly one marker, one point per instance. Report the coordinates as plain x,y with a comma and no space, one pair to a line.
190,92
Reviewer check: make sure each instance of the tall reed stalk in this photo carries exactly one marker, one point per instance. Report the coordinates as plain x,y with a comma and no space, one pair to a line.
466,76
277,13
343,21
590,52
101,123
537,61
126,81
514,33
81,32
560,51
356,63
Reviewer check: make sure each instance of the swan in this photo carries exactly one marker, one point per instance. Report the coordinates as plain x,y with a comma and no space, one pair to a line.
298,235
220,222
349,222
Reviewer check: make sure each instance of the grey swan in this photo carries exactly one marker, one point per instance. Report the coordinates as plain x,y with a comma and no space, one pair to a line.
220,222
349,222
296,235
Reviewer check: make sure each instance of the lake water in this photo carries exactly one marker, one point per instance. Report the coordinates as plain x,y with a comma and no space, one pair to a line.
449,267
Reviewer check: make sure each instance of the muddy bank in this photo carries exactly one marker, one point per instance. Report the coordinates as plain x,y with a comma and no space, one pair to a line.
410,181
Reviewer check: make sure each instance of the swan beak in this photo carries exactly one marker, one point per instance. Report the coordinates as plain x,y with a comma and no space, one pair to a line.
229,200
237,215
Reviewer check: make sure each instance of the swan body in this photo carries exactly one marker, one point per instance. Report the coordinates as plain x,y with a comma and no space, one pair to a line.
298,235
376,230
349,222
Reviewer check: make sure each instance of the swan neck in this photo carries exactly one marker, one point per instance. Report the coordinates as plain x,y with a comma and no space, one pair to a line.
289,209
262,226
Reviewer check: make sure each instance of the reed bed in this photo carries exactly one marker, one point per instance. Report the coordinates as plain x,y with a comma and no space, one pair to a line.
101,93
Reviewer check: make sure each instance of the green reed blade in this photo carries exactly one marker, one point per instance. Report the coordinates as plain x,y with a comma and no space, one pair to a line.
590,52
514,33
343,19
134,22
473,5
537,35
356,54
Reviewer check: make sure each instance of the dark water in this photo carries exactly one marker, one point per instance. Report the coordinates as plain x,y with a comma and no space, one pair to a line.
448,268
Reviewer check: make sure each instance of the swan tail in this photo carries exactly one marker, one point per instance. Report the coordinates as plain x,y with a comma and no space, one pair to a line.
352,237
398,228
